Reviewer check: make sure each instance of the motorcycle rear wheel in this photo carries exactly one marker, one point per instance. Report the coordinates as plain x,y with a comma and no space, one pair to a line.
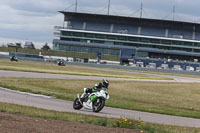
77,105
98,104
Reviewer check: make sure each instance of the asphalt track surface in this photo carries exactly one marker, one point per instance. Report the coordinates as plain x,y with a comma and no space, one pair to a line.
45,102
20,74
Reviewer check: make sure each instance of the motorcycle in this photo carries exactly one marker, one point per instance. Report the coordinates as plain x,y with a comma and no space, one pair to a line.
14,58
94,101
61,63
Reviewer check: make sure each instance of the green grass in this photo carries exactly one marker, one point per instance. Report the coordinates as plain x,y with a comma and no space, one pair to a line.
76,55
181,99
70,70
172,74
102,121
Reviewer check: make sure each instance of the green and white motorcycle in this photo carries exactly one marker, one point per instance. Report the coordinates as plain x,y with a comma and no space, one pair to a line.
94,101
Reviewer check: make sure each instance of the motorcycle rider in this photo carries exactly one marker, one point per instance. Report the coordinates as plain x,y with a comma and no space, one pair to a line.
103,84
13,58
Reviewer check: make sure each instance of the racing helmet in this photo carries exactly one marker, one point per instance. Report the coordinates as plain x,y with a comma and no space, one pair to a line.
105,83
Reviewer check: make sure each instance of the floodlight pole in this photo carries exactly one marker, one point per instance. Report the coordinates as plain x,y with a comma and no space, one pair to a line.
109,7
174,12
76,5
141,9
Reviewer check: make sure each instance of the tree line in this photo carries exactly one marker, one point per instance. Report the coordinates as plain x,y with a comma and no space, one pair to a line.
28,45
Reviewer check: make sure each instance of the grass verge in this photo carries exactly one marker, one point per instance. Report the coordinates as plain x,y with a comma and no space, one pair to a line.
27,66
181,99
101,121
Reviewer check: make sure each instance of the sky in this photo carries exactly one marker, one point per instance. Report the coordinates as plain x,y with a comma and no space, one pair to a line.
34,20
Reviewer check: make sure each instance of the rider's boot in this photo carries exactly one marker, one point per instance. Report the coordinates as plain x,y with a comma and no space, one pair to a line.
85,93
83,97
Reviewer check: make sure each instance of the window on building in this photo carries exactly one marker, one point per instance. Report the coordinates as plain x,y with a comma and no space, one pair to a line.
141,45
187,49
72,48
177,43
116,52
109,43
124,38
188,44
101,50
166,41
131,44
163,47
61,47
197,50
154,40
89,35
77,49
67,48
84,49
111,37
174,48
106,51
95,50
118,43
76,40
135,39
78,34
100,36
66,33
82,40
197,44
98,41
144,39
66,39
142,54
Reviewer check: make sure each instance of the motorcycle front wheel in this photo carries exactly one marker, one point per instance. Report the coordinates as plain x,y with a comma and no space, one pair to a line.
98,104
77,105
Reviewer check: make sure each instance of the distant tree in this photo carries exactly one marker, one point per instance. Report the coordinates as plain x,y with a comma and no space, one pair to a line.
19,45
46,47
29,45
33,46
11,45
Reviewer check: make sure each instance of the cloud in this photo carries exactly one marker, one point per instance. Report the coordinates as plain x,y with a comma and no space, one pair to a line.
28,24
40,6
35,19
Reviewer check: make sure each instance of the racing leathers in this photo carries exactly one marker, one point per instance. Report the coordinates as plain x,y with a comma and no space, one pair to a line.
96,88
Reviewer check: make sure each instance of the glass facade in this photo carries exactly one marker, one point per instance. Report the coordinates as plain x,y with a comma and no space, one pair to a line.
88,49
92,33
108,39
122,40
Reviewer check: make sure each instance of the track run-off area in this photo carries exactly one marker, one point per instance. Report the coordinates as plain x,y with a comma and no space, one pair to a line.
45,102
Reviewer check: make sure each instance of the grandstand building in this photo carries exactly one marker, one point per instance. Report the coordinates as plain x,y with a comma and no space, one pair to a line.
128,37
